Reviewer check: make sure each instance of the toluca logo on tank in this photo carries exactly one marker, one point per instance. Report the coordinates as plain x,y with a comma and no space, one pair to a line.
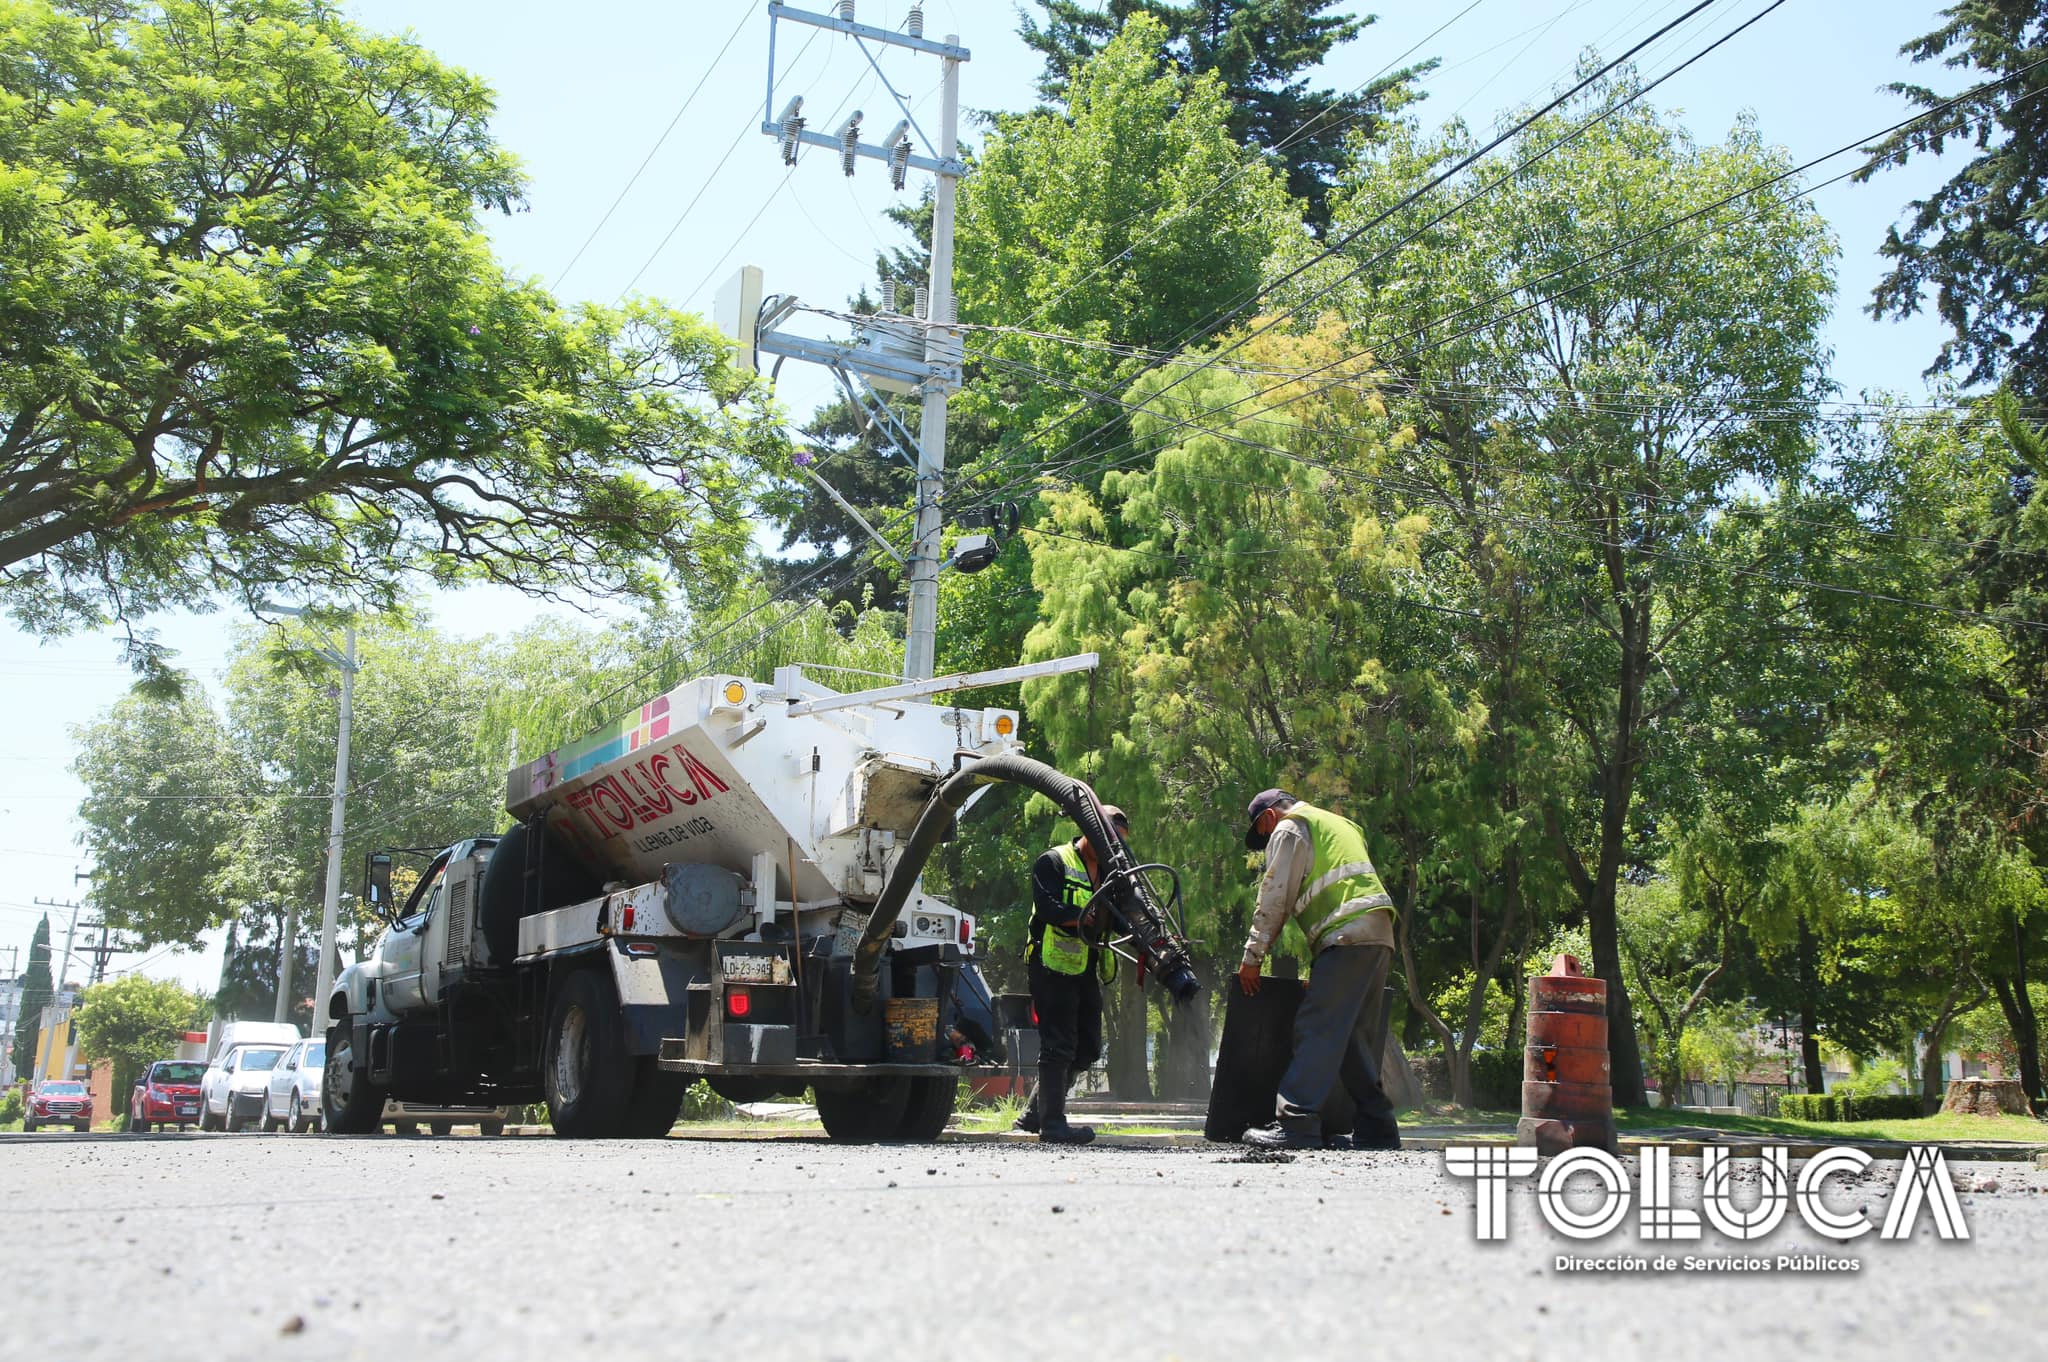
646,791
1599,1202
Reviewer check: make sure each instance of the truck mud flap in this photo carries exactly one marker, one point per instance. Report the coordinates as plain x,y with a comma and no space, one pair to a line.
653,996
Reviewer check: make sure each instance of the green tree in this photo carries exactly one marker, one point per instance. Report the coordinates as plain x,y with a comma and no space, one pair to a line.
133,1021
252,336
1594,402
1979,242
35,996
198,818
1675,948
1261,51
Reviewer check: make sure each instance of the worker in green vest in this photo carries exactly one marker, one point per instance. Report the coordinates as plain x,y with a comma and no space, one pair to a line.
1319,873
1067,965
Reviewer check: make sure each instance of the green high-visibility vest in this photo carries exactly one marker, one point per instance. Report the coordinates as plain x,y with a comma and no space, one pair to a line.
1341,885
1062,951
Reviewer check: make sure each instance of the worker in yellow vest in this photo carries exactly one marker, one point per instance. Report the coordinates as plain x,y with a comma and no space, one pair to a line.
1319,873
1067,965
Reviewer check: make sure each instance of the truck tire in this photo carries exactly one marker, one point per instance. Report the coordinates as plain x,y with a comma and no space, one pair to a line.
349,1102
441,1127
864,1111
586,1074
928,1110
490,1128
657,1101
234,1122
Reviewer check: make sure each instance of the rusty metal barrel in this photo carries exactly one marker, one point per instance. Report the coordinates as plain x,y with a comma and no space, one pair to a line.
1567,1093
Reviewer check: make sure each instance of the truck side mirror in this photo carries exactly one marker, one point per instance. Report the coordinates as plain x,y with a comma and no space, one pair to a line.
377,883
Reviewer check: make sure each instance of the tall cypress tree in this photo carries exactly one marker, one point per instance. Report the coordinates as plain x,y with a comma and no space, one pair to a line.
1259,48
35,996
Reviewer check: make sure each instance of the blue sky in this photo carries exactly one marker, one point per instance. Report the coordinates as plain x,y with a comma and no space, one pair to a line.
584,91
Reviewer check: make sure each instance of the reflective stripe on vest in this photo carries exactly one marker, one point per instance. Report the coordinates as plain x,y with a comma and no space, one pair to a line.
1061,951
1342,885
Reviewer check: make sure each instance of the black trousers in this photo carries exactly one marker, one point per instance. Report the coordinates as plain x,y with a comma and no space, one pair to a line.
1338,1032
1069,1015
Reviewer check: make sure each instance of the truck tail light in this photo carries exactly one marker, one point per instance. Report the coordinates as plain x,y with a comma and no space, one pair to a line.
626,918
738,1002
966,933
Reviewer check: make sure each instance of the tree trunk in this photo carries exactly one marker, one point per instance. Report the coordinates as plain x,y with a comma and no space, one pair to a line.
1184,1058
2018,1006
1809,1004
1124,1023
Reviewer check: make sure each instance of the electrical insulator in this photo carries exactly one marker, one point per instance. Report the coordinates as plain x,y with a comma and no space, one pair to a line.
914,24
899,162
846,11
923,306
888,292
792,128
849,142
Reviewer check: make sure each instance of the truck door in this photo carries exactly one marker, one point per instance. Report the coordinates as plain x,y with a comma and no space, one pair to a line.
404,950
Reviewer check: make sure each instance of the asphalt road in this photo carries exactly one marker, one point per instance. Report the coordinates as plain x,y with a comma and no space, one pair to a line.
281,1247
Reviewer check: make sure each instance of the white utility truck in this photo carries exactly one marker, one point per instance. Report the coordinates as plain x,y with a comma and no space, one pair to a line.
726,885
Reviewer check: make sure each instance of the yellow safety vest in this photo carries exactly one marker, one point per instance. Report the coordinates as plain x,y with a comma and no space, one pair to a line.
1065,952
1341,885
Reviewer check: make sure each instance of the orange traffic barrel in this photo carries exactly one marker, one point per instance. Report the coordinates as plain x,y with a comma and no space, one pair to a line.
1567,1094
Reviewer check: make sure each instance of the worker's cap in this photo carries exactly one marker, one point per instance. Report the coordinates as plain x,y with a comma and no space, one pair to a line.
1264,800
1116,818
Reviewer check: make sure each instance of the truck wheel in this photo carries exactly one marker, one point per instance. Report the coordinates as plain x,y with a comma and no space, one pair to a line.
28,1125
348,1100
657,1101
490,1128
929,1109
441,1127
865,1111
206,1117
138,1127
405,1127
586,1074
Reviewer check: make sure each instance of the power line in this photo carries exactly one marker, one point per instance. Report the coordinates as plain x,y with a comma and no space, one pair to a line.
705,187
1368,354
648,160
1413,196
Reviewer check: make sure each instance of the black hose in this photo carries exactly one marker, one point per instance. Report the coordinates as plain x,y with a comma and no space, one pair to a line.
1074,797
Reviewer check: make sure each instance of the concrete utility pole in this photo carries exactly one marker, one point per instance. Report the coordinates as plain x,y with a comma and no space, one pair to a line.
70,935
342,659
930,368
920,644
330,905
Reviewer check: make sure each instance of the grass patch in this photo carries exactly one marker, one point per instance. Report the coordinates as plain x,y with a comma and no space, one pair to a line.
1934,1129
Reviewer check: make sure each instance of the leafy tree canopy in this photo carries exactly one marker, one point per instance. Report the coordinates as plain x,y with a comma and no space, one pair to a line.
1980,241
251,336
134,1021
1260,50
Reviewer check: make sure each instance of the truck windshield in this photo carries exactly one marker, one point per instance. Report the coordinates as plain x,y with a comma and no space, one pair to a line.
261,1059
180,1071
64,1089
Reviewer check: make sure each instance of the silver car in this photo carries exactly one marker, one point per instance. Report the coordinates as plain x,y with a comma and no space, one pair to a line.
232,1092
293,1099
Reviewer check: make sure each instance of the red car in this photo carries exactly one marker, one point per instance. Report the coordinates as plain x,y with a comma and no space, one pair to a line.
59,1102
167,1094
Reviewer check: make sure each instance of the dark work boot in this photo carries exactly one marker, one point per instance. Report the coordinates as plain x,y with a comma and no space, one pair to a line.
1289,1132
1052,1109
1028,1121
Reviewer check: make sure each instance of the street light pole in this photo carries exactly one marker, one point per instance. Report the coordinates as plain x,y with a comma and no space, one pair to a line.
330,906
